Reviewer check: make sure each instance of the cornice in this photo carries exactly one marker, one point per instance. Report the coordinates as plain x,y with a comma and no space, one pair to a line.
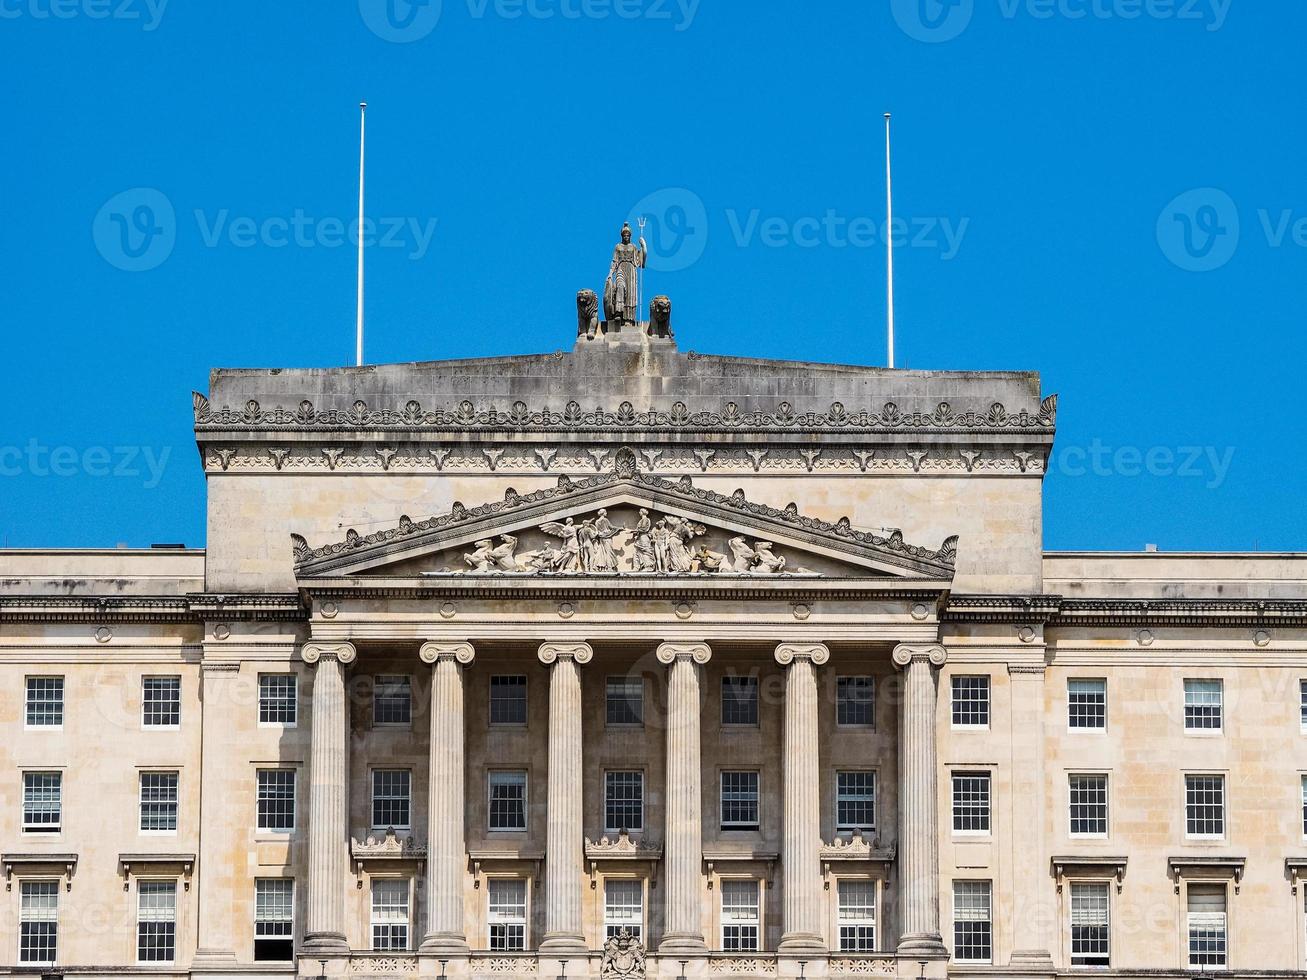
191,608
1056,610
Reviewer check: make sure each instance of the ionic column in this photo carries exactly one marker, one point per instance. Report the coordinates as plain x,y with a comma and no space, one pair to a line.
918,813
801,855
328,798
683,844
446,844
564,848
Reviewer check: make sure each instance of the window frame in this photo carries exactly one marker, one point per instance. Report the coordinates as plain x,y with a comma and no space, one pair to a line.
748,827
1106,804
633,830
1086,729
52,887
294,699
373,798
842,827
38,829
731,884
1105,887
629,682
525,699
260,826
988,778
149,726
498,919
491,776
259,923
869,726
1203,731
1225,805
988,890
750,683
856,922
377,697
955,701
1224,887
141,802
643,908
374,922
28,680
140,892
1302,706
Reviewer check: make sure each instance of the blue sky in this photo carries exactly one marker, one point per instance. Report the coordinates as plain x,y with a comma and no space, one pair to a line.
1107,191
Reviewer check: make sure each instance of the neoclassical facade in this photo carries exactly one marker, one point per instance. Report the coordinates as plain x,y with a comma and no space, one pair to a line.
628,661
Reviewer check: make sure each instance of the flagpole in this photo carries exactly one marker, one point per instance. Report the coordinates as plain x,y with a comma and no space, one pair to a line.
889,245
363,112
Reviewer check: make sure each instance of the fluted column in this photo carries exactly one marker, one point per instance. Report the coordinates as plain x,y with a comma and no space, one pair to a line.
446,844
683,846
564,848
328,798
801,855
918,810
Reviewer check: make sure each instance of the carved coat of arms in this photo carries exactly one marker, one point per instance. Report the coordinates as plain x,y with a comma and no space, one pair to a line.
623,957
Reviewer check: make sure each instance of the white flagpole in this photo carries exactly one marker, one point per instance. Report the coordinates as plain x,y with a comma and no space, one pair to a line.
363,112
889,244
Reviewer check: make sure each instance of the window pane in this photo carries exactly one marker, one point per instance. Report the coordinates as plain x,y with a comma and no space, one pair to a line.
274,919
45,702
508,700
740,919
277,699
390,915
1087,704
1090,926
507,800
623,801
392,700
276,799
971,802
739,700
857,916
507,914
159,801
1205,806
161,702
973,939
42,802
623,908
38,938
855,701
971,702
391,795
1207,925
1202,705
1302,702
625,701
156,921
855,800
1088,796
740,800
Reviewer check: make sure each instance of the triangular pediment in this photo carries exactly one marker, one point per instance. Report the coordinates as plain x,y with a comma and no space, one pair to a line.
624,524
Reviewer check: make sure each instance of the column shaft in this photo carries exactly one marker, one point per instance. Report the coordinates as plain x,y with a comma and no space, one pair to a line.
683,846
216,947
446,843
328,799
918,808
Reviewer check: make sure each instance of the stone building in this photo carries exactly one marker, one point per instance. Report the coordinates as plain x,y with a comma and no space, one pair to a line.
632,661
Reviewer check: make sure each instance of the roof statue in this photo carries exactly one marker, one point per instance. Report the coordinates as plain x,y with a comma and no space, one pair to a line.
621,300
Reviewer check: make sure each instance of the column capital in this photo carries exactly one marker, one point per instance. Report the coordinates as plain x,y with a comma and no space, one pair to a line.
669,653
433,651
906,653
581,653
311,653
817,653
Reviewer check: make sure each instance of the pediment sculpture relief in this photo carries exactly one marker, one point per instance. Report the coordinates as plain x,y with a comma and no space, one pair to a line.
661,544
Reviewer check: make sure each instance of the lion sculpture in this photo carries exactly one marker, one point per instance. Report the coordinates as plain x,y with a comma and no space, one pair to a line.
587,314
660,317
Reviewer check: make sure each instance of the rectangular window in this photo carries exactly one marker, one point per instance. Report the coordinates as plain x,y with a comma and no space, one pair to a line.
741,921
973,926
855,800
971,800
625,701
45,702
970,702
156,921
624,800
1207,925
276,800
623,908
1202,705
1086,705
507,915
392,700
42,802
507,800
508,699
1304,806
38,922
739,700
857,916
159,802
391,799
274,919
739,801
161,702
1088,803
278,699
855,701
1090,926
390,915
1302,704
1204,806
